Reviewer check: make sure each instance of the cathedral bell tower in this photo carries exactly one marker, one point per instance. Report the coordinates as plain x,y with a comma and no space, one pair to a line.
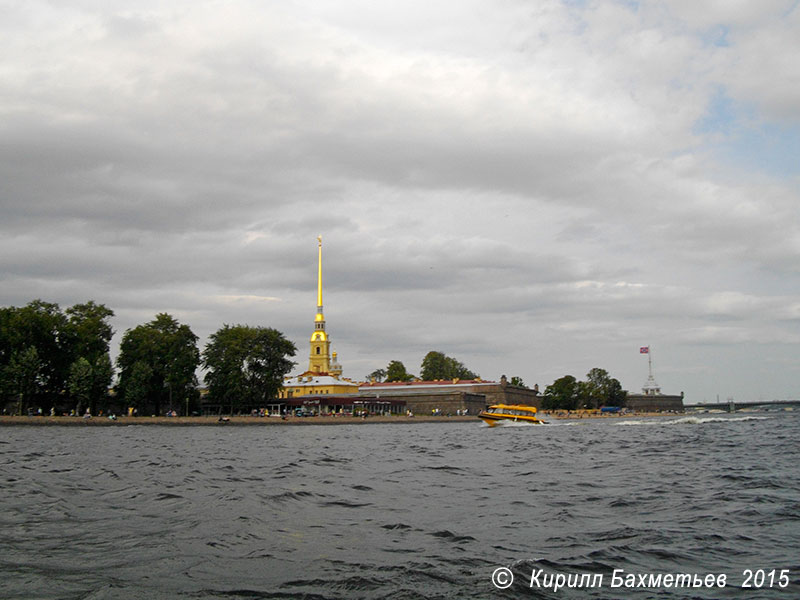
320,358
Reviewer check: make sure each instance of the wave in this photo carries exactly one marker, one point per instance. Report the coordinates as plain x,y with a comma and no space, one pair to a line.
515,424
282,524
345,503
284,496
691,421
452,537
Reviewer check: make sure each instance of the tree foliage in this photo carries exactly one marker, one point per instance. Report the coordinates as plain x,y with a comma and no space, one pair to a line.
90,330
436,365
102,374
42,326
562,394
60,339
378,375
80,383
599,389
90,334
137,388
517,381
246,365
396,371
169,350
88,382
23,377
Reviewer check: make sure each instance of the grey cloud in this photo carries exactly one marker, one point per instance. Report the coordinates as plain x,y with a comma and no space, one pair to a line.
524,188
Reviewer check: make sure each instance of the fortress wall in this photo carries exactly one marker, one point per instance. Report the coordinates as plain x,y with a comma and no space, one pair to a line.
448,403
654,403
489,393
508,394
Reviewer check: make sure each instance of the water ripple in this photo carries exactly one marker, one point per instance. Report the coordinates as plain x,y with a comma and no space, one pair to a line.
391,512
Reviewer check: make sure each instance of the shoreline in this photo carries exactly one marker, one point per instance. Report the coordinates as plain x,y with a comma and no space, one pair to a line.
249,421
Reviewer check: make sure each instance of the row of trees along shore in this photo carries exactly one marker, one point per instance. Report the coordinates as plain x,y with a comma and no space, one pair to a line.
566,393
435,366
599,389
59,361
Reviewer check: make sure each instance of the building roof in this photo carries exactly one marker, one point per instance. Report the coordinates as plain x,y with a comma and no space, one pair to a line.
315,380
437,384
345,399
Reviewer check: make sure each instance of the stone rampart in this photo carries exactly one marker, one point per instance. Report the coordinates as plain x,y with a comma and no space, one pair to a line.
654,403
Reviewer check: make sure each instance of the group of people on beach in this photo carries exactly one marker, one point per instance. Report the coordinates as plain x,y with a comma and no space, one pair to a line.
437,412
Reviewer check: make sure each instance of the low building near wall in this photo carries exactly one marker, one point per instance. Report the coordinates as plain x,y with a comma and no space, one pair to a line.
345,404
319,394
445,403
452,396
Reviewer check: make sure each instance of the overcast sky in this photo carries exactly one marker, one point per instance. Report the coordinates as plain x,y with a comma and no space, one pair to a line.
535,188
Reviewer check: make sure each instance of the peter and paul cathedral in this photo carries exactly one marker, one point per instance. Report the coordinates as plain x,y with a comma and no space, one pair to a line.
321,389
323,376
319,361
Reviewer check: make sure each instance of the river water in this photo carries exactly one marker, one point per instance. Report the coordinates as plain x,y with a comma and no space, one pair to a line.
427,510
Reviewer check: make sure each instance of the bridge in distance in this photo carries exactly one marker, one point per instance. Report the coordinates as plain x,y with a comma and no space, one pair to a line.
733,406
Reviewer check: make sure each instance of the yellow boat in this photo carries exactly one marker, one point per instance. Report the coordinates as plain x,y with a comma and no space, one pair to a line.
510,412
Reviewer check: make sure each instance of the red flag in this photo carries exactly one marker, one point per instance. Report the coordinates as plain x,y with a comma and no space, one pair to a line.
644,350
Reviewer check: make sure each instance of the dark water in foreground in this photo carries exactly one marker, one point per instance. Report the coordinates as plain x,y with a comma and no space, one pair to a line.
397,511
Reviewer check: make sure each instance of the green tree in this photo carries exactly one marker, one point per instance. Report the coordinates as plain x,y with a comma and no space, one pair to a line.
588,395
378,375
23,377
517,381
436,365
616,395
170,351
80,383
246,365
42,326
102,374
89,381
562,394
90,330
91,333
396,371
600,389
137,389
60,339
7,314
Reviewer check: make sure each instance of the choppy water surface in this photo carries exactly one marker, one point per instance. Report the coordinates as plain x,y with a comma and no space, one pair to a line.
396,511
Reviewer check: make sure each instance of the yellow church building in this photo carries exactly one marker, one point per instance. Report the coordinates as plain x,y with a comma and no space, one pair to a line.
324,374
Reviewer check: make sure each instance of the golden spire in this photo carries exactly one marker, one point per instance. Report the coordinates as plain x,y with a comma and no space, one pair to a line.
319,277
319,359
